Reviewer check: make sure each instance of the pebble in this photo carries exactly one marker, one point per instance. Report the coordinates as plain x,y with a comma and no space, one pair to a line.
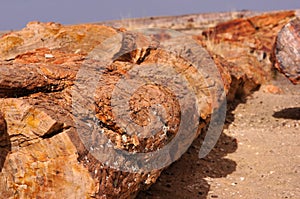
48,56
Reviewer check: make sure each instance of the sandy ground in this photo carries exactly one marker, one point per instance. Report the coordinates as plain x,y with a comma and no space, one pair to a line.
257,155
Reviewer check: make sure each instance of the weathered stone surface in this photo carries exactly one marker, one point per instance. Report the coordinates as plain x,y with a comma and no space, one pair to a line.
40,167
287,51
79,39
41,153
38,72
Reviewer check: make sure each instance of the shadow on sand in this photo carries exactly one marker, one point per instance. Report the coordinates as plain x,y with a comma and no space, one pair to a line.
188,177
288,113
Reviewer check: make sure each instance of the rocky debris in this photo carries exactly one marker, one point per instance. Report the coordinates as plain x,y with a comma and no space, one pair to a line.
287,51
269,88
42,150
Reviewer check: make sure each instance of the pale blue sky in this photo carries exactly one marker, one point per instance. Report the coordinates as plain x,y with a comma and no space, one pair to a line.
14,14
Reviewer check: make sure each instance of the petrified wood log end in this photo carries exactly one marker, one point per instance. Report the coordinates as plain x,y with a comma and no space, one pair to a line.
287,51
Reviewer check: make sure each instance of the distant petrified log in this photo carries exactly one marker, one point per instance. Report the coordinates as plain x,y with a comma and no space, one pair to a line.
243,39
246,44
42,153
287,51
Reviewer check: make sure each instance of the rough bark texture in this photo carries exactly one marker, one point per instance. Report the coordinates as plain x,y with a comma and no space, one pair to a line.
41,154
287,51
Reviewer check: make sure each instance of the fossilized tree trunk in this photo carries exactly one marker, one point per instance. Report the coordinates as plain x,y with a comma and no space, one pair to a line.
41,153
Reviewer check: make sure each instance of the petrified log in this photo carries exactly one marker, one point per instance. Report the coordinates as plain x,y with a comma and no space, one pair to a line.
47,157
248,45
43,153
287,51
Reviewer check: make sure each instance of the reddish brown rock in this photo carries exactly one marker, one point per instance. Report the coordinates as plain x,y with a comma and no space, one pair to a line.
272,89
287,51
